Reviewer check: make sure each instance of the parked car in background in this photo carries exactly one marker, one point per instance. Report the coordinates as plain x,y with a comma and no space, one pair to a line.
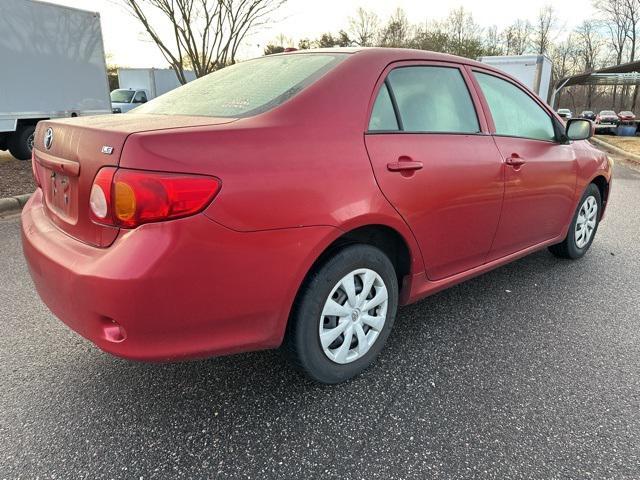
139,85
53,66
588,114
236,214
565,113
607,118
123,100
626,116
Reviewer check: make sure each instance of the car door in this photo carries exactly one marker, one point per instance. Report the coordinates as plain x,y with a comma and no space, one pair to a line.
540,172
140,97
436,163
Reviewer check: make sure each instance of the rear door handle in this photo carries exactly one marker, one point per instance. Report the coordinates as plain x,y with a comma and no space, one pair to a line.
404,165
515,160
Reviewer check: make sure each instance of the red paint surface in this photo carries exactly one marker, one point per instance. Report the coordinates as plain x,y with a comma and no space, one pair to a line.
293,180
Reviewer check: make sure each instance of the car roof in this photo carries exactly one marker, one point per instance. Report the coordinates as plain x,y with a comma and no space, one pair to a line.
389,55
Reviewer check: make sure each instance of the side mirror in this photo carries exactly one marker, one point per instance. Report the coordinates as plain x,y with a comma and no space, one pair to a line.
579,129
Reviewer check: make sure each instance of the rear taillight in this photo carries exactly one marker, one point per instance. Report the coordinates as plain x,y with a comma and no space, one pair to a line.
128,198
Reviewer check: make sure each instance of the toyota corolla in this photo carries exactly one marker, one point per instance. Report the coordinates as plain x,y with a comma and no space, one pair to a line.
298,200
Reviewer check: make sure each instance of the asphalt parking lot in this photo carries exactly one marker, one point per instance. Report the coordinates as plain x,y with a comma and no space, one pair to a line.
530,371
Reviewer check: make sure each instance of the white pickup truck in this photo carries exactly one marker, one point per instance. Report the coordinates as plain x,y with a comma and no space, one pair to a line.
52,65
139,85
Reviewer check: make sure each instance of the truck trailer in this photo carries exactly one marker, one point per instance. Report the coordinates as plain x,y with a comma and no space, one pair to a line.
139,85
532,70
53,66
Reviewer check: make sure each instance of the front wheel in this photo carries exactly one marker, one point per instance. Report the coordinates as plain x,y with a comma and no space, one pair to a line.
583,226
343,314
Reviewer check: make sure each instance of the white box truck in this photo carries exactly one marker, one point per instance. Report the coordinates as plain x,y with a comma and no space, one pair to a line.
52,65
138,85
532,70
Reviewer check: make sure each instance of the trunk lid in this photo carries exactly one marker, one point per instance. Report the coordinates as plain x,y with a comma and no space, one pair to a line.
68,154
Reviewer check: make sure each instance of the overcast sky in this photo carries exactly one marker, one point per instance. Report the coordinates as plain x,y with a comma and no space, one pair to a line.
127,44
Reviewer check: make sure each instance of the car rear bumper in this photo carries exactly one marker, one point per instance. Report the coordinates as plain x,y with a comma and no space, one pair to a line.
180,289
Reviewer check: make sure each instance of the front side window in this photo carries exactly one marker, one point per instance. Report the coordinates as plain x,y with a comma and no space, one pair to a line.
122,96
140,97
246,88
432,100
515,114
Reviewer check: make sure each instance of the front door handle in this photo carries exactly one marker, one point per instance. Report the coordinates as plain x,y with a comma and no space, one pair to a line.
515,160
404,165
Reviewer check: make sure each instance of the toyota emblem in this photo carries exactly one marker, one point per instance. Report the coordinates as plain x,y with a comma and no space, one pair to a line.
48,138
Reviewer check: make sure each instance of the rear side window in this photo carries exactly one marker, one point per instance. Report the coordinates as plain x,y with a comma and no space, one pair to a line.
246,88
515,113
140,97
383,116
432,99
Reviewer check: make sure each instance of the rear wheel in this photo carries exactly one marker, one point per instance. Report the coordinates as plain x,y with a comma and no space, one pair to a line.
21,142
583,226
343,314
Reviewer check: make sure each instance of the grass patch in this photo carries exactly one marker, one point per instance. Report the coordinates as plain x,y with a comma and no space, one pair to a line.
628,144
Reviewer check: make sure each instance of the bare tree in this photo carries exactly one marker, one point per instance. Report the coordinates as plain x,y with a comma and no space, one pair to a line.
517,37
613,16
203,35
329,40
464,34
590,45
565,60
565,57
492,44
544,29
363,27
632,13
397,32
283,41
430,36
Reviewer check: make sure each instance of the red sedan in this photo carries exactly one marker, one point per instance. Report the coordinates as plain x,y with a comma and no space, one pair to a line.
299,199
626,116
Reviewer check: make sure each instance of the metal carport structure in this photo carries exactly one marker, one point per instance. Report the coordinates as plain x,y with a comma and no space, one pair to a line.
618,75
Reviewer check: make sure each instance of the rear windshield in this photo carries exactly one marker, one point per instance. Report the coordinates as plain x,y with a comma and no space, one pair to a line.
246,88
122,96
626,112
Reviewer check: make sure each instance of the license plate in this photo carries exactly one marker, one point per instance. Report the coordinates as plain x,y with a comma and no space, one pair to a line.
59,193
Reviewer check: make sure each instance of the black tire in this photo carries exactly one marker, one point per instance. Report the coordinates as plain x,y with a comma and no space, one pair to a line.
21,141
302,341
568,248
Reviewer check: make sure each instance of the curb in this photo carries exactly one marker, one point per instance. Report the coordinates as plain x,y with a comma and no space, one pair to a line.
629,156
12,205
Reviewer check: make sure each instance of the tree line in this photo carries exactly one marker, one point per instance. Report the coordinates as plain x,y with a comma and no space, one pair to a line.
205,35
609,38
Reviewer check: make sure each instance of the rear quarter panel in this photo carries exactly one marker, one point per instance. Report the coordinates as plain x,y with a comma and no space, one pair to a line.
302,164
